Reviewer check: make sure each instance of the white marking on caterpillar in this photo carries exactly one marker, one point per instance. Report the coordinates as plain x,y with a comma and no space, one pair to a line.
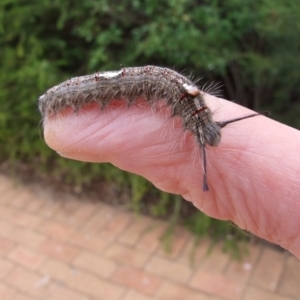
191,89
110,74
151,82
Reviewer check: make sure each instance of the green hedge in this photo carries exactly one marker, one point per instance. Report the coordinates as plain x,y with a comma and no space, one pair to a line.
251,46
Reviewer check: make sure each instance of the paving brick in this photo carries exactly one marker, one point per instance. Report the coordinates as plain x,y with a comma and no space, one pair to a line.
90,241
21,198
6,191
169,269
97,264
194,253
173,246
59,250
25,236
289,284
269,269
67,206
5,246
19,235
133,232
133,295
99,220
17,196
241,270
171,291
82,213
5,268
116,225
6,229
219,298
12,189
50,208
216,259
99,288
5,185
7,293
20,218
25,281
57,291
34,205
150,240
252,293
56,229
82,281
216,284
22,297
137,279
126,255
26,257
61,271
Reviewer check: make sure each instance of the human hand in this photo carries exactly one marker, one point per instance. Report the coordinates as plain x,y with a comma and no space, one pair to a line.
253,175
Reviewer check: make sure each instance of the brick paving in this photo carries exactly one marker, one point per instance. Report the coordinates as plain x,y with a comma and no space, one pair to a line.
60,247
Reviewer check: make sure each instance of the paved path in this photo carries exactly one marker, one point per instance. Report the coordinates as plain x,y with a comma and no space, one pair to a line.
64,249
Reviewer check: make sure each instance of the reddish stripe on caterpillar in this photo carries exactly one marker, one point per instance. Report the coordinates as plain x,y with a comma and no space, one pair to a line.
150,82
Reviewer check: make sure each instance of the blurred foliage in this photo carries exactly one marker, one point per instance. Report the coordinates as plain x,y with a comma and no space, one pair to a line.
251,46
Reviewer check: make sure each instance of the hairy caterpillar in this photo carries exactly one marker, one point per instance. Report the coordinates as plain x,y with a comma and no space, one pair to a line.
150,82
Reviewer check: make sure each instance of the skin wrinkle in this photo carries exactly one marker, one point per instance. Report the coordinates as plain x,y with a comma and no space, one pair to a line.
83,140
241,163
232,210
246,222
65,114
269,232
293,237
260,210
293,240
253,218
88,129
229,192
262,223
257,198
185,192
205,203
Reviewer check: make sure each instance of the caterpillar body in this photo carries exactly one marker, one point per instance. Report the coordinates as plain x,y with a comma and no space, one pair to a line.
150,82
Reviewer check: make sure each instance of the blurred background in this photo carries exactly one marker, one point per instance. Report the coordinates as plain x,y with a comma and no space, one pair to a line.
250,47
